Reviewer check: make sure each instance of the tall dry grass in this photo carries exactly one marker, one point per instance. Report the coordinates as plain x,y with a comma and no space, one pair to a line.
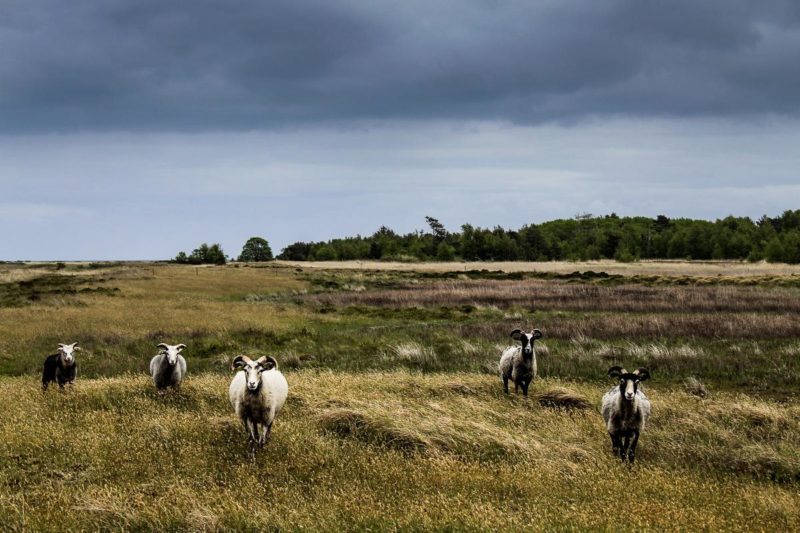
384,451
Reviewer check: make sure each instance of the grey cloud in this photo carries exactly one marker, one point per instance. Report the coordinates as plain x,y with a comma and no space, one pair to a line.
247,64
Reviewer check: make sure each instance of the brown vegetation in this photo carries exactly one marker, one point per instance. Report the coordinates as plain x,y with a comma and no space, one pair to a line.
645,268
542,295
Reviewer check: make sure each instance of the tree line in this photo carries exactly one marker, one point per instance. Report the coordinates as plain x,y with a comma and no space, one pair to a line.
583,237
255,249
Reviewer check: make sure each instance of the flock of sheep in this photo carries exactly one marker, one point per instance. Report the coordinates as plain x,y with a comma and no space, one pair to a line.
259,390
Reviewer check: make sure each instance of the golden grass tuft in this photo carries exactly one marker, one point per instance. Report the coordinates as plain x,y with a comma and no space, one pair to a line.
695,387
413,352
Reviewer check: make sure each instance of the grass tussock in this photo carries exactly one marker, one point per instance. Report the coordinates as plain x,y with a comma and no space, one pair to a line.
414,353
695,387
380,430
560,397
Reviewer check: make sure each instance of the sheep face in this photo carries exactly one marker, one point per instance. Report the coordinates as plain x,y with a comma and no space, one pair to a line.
527,340
628,381
253,369
67,352
171,352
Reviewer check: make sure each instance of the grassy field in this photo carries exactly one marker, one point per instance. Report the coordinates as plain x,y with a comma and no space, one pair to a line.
396,419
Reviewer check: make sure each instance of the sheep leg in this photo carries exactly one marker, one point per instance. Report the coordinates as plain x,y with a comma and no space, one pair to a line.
616,443
265,434
525,385
623,452
505,384
632,449
251,430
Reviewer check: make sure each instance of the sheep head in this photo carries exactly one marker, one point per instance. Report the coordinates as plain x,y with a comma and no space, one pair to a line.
253,369
171,352
629,381
527,340
67,352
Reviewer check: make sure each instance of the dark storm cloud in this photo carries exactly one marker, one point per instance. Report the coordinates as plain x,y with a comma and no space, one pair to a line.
247,64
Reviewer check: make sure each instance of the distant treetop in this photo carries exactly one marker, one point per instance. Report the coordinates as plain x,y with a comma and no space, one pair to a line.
203,255
256,249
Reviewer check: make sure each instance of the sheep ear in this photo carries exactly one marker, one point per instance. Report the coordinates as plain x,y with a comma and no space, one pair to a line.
180,347
269,363
537,334
643,373
516,334
163,346
77,348
239,361
615,371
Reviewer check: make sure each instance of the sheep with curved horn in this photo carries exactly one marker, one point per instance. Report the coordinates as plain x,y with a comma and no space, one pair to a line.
518,363
168,368
257,394
626,410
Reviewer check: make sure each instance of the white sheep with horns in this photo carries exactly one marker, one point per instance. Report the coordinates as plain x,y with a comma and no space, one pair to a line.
257,393
168,368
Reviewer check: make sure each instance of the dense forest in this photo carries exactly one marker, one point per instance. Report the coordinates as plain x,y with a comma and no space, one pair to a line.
580,238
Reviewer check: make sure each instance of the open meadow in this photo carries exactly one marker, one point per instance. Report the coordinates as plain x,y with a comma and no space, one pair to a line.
396,417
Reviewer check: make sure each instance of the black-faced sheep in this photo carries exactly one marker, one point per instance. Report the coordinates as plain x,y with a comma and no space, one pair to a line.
518,363
61,366
257,393
626,410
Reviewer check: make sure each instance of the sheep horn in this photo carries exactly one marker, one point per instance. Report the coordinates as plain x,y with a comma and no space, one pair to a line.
271,361
616,371
239,360
515,334
163,346
180,347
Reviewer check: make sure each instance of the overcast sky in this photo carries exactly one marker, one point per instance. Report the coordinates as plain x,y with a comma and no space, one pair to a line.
133,129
